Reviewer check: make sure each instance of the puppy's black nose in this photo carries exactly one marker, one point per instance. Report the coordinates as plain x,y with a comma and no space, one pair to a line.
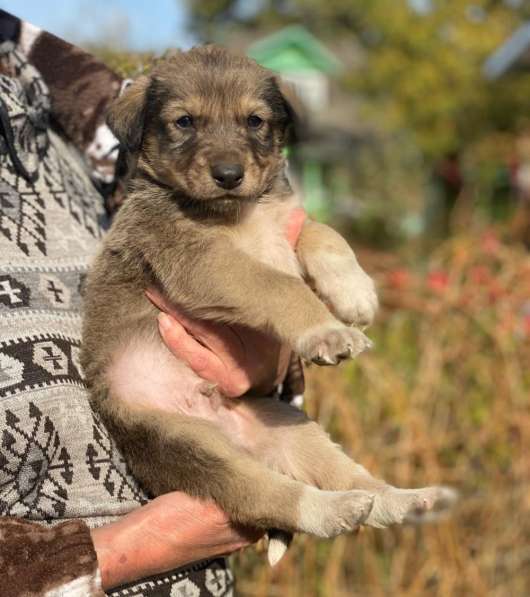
227,176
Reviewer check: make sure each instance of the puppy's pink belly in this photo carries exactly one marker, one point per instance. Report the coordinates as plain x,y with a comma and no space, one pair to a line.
146,375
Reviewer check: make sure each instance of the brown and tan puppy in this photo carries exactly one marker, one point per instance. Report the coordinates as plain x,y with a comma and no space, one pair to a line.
204,222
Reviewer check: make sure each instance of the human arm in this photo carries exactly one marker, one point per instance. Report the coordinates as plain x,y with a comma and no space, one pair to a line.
171,531
70,559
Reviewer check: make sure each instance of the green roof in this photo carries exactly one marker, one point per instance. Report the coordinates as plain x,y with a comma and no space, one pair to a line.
294,49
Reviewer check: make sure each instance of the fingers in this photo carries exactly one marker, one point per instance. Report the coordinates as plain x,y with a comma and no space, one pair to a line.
214,352
294,226
220,339
208,365
170,531
186,348
208,516
193,326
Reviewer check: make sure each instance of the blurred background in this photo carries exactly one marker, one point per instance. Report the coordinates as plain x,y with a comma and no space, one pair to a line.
415,144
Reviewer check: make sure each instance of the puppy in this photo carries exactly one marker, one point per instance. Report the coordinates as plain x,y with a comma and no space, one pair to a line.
204,222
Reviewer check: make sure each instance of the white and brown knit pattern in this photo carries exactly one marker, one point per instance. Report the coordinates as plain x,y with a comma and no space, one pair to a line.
49,229
204,579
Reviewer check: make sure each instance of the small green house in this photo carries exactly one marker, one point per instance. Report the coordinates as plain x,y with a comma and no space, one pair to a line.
301,59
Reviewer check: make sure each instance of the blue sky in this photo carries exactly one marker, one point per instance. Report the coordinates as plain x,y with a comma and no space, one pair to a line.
135,24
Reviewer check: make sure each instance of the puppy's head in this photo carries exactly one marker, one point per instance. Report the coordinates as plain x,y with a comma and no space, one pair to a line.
209,124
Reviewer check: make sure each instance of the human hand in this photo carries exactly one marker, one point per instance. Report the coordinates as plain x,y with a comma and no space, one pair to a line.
171,531
235,358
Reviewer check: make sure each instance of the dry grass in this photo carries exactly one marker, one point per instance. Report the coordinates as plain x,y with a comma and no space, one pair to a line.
444,397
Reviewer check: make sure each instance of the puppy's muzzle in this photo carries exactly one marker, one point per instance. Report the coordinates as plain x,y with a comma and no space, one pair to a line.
227,176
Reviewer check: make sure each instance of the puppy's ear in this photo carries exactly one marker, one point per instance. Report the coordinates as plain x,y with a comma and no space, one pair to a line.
126,114
293,114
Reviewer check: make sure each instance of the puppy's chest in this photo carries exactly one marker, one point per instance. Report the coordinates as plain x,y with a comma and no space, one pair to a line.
262,236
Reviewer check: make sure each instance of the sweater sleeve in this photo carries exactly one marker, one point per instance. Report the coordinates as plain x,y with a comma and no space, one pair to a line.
58,561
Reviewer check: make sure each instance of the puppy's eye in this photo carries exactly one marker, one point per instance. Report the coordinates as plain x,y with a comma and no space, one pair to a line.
184,122
254,122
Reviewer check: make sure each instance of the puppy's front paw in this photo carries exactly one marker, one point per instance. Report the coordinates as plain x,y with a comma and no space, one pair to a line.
330,343
355,299
349,292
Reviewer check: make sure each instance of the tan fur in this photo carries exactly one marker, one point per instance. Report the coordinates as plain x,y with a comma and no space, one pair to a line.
221,255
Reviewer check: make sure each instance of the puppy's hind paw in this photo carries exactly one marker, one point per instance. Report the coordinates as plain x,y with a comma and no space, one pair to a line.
433,508
411,506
